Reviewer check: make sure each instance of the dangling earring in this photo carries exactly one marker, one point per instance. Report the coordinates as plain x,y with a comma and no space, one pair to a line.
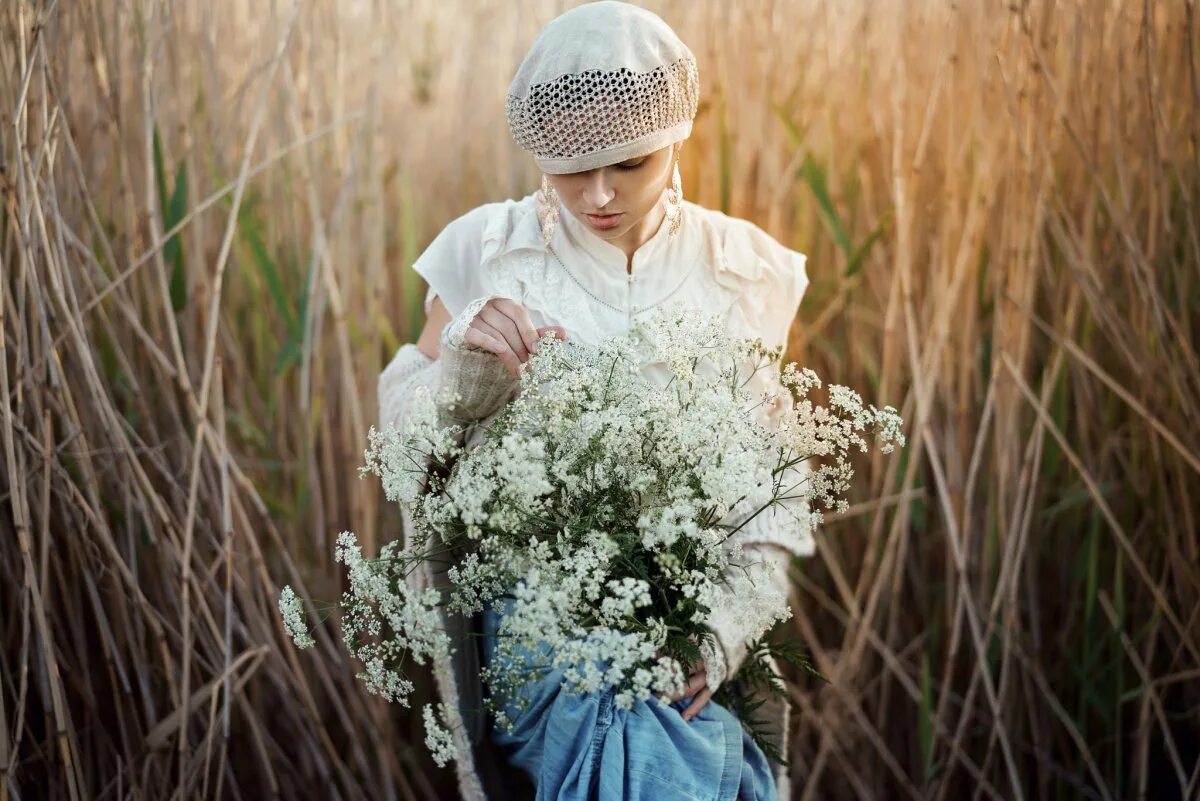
547,208
674,200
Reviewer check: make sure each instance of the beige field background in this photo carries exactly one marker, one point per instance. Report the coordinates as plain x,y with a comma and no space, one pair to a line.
208,214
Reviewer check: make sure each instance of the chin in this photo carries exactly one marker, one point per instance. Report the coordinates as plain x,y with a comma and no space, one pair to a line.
619,231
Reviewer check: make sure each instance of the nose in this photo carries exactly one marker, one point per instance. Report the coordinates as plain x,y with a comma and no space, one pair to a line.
596,191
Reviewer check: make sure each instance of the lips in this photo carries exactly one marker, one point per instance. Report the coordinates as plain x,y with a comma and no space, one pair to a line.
603,220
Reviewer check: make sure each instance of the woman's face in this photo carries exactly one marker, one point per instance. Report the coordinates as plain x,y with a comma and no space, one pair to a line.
620,198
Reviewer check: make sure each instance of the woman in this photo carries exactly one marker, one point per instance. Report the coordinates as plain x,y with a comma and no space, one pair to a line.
603,102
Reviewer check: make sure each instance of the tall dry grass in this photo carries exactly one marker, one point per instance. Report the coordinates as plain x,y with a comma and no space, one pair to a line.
208,213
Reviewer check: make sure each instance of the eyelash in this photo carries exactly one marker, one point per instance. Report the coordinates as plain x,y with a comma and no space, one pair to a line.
631,166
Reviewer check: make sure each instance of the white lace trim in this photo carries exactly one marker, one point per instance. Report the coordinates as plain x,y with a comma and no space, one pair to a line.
779,525
456,329
516,264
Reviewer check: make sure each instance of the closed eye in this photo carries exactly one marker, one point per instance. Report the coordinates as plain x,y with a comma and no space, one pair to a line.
633,166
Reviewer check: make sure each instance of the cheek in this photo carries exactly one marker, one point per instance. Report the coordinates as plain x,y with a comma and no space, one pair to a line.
646,191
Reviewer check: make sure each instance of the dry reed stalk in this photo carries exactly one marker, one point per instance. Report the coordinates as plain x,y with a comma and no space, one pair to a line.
207,212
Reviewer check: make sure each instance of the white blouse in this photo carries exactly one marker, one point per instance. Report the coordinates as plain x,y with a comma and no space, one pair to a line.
719,264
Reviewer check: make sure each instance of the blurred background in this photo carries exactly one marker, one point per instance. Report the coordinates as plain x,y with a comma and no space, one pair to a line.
208,215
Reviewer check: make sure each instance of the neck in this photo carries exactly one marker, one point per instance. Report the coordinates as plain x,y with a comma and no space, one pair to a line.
639,234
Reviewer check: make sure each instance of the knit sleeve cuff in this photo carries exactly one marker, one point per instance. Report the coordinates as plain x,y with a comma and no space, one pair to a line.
780,527
476,377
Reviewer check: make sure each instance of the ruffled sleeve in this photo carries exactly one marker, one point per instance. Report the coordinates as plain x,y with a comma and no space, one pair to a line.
451,263
792,279
769,277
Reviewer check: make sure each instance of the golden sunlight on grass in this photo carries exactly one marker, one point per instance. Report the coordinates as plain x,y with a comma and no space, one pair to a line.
208,211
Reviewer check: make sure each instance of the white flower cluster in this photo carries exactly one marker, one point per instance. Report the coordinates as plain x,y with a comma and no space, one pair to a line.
401,457
385,621
602,505
291,609
626,595
437,738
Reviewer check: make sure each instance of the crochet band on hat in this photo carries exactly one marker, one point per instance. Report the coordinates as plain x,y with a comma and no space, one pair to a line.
604,82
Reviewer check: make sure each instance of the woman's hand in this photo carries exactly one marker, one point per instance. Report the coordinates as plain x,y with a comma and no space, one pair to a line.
504,328
697,686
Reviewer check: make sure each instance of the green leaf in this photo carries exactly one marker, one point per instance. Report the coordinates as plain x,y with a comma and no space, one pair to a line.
160,170
1078,495
724,156
173,209
756,677
814,175
173,214
860,253
795,135
250,229
413,284
925,717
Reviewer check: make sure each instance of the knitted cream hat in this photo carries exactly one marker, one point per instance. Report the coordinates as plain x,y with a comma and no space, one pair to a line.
604,82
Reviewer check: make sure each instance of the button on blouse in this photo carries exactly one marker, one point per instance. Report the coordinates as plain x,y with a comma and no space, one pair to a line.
660,266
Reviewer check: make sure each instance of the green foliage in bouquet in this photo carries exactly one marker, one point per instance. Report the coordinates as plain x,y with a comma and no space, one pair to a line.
757,681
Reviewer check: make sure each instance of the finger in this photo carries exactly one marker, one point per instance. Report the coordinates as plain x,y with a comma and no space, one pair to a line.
515,324
556,331
697,703
520,317
489,329
499,347
507,328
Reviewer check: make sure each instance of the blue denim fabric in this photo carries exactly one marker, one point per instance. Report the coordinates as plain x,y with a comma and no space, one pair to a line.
580,747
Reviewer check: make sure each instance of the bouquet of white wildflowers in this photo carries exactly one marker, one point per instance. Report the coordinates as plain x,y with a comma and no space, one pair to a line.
599,504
